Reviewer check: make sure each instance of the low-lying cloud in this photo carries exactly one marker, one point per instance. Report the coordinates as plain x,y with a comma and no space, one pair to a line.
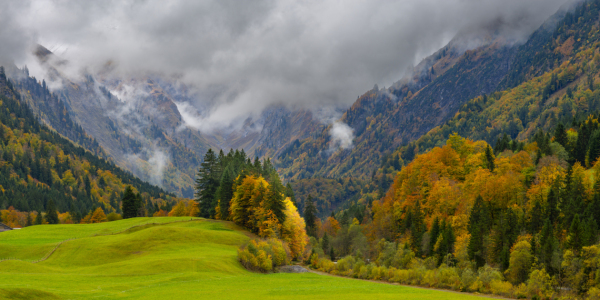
342,136
242,56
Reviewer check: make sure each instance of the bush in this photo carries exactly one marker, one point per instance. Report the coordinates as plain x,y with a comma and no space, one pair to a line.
501,288
264,255
356,269
486,274
467,279
345,265
540,284
113,216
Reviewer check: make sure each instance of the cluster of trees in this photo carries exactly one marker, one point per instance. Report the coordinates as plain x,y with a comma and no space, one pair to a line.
132,205
526,211
232,187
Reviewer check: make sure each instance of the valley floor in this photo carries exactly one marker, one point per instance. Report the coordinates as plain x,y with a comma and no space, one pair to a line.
161,258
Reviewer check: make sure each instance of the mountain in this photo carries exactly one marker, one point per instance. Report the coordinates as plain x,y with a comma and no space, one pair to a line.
560,87
37,164
137,123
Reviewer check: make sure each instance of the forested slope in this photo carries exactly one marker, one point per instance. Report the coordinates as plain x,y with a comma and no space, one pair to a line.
38,165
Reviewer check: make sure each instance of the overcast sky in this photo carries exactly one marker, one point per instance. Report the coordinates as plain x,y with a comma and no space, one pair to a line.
249,54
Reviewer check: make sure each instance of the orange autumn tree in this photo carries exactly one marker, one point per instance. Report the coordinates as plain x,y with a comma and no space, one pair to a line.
446,180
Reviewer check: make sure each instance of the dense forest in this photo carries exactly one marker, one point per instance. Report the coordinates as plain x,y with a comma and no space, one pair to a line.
38,165
524,214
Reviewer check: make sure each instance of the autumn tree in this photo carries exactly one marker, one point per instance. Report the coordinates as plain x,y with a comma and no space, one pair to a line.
520,263
98,216
294,230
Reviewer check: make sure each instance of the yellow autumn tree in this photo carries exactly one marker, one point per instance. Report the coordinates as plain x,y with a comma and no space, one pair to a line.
294,230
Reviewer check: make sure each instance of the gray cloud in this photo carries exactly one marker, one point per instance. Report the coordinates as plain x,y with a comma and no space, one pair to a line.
241,56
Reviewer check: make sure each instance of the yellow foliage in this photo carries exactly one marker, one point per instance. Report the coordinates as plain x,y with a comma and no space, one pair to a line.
294,230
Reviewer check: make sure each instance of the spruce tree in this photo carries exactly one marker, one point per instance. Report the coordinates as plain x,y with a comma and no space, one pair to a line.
207,183
274,198
560,135
590,231
51,214
576,235
325,243
310,215
489,158
581,146
594,148
447,243
507,230
417,228
547,243
225,194
479,224
535,218
139,206
551,211
29,220
332,254
128,203
38,218
257,166
434,233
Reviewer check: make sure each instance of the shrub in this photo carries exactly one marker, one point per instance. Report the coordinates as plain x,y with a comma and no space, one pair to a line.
467,279
593,294
540,284
447,277
314,261
113,216
356,269
263,255
326,265
486,274
501,288
345,265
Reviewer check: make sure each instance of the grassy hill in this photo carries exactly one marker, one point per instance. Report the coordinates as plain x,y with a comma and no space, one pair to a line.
160,258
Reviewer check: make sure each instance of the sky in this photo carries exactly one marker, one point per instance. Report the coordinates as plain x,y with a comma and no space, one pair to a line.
239,57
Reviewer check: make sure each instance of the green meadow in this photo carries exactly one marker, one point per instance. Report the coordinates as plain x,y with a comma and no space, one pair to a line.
161,258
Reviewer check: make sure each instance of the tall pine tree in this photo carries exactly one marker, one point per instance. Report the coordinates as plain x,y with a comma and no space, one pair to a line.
225,194
51,213
310,215
207,183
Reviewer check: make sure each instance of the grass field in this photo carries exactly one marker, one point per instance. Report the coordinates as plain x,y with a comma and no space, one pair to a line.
164,260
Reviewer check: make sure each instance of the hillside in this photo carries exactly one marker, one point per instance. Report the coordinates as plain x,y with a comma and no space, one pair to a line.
384,119
566,93
38,165
158,258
